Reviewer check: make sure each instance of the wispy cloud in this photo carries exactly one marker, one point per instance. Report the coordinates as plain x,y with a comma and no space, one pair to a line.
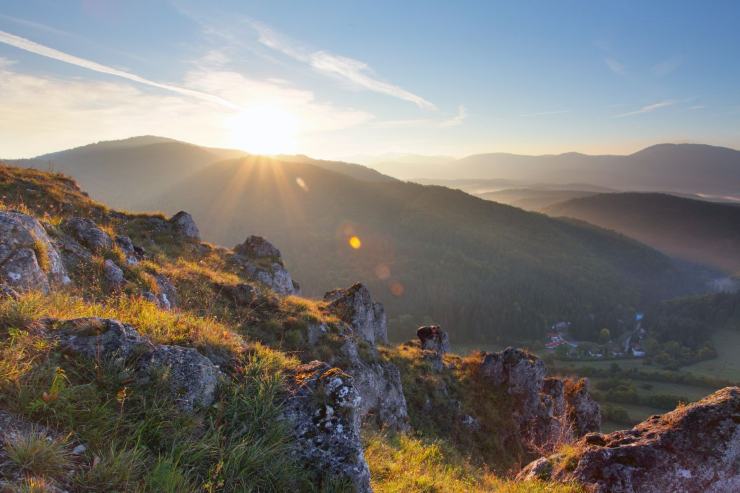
667,66
647,109
545,113
48,52
356,72
453,121
615,66
697,107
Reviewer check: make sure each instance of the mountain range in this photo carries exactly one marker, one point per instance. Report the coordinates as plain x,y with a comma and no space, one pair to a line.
488,271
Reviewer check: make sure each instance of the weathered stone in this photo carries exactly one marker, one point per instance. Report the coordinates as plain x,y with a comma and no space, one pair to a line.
167,295
322,411
276,277
433,338
184,225
113,275
132,252
191,377
28,259
583,411
258,247
695,448
88,233
356,307
549,411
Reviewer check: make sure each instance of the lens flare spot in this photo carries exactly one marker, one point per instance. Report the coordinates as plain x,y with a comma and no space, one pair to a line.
382,271
397,288
355,242
301,183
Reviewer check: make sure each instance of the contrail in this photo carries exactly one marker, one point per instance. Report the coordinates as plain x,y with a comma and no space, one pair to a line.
45,51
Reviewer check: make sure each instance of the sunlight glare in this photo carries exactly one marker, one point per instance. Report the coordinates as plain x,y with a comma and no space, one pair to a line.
264,129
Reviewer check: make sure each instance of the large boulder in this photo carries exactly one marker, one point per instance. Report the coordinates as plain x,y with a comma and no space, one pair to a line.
695,448
192,378
322,411
356,307
433,338
258,247
28,259
88,233
184,224
259,260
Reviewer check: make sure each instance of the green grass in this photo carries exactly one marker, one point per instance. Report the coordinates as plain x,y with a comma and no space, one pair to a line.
36,454
403,463
727,363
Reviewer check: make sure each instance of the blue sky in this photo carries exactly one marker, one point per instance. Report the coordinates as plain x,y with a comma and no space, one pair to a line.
341,78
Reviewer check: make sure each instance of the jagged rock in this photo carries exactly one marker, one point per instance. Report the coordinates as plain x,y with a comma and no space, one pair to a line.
184,225
276,277
695,448
167,296
355,306
113,275
379,384
582,410
323,412
191,377
433,338
28,259
88,233
548,411
132,252
258,247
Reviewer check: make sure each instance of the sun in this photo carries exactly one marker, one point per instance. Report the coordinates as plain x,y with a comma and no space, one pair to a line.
264,129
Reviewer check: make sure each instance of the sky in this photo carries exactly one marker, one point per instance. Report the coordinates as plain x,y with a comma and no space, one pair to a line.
353,79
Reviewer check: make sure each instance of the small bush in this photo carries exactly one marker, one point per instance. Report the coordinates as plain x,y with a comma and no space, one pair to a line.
37,454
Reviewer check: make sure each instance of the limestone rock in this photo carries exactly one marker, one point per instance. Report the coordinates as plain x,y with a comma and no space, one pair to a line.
258,247
113,275
167,296
548,411
191,377
356,307
695,448
28,259
274,275
88,233
322,411
184,225
133,253
433,338
8,292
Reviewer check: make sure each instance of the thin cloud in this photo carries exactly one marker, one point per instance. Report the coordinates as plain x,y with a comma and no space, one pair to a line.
545,113
347,69
453,121
458,119
45,51
667,66
647,109
615,66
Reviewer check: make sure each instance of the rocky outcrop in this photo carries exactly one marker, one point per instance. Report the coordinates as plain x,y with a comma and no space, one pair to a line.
259,260
323,413
378,382
184,225
549,411
113,275
191,377
88,234
695,448
433,338
28,259
258,247
132,252
355,306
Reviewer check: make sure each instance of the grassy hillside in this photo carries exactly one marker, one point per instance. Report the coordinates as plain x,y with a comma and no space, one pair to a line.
87,425
695,230
487,271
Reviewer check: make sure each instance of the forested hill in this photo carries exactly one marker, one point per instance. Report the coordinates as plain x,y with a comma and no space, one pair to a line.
696,230
486,271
